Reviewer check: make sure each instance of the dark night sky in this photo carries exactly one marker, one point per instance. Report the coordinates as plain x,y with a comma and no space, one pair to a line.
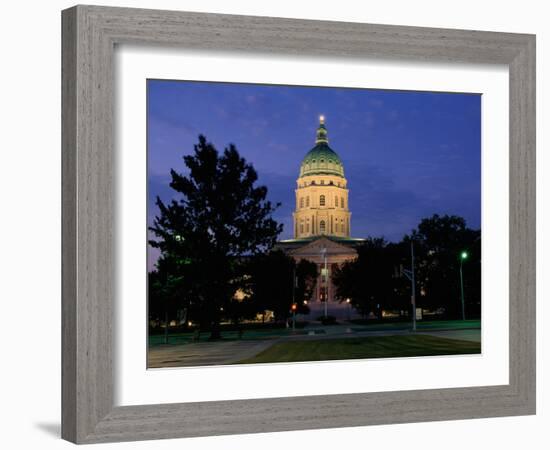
406,155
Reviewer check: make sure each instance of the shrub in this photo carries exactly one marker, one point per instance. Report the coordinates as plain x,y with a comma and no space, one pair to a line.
327,320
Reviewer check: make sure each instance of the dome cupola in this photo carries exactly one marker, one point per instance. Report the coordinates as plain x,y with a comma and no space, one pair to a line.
321,159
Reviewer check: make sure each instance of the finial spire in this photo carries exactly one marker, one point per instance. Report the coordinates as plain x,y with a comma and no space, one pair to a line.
321,131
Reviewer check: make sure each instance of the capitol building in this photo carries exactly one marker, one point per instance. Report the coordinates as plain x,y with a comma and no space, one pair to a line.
321,192
322,219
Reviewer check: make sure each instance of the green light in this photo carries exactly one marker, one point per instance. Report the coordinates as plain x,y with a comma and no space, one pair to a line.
464,255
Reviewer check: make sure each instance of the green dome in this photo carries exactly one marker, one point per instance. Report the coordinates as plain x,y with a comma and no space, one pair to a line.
321,159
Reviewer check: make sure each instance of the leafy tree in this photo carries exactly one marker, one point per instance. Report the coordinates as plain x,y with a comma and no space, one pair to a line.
373,279
241,306
439,241
276,280
166,293
306,279
239,310
369,281
218,216
271,283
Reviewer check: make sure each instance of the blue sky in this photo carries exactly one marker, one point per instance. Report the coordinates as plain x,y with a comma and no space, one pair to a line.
406,154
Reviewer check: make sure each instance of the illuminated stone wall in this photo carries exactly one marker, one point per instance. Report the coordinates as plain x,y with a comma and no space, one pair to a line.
322,207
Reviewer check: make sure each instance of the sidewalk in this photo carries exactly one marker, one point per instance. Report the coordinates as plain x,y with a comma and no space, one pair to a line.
229,352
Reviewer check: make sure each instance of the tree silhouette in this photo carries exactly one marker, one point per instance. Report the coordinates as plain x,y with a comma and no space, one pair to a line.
166,292
276,280
368,281
372,281
439,240
219,217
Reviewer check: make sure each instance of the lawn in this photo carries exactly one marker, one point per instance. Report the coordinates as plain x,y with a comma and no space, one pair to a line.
249,335
268,331
363,347
420,325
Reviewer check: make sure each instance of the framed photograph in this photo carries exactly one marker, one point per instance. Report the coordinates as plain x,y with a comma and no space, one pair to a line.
300,286
278,224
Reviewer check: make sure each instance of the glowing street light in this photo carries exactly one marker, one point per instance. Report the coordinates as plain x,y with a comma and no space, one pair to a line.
463,257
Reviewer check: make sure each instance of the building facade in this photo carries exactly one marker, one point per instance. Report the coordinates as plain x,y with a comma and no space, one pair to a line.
322,206
322,221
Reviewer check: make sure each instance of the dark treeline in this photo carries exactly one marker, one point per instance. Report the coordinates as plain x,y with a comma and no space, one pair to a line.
270,281
215,240
375,282
217,262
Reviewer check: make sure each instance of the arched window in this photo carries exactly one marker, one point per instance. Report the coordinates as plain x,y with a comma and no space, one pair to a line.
322,200
307,227
336,202
301,228
301,202
342,202
307,201
322,227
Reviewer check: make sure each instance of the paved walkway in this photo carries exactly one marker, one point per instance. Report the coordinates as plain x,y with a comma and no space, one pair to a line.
473,335
230,352
205,353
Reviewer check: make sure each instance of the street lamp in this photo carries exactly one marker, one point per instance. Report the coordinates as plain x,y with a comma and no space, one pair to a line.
413,288
294,307
410,276
324,253
463,257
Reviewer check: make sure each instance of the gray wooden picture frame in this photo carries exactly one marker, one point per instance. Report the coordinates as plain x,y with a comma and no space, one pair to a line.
89,35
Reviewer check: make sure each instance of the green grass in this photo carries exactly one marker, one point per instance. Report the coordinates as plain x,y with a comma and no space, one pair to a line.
248,335
364,347
358,325
267,331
